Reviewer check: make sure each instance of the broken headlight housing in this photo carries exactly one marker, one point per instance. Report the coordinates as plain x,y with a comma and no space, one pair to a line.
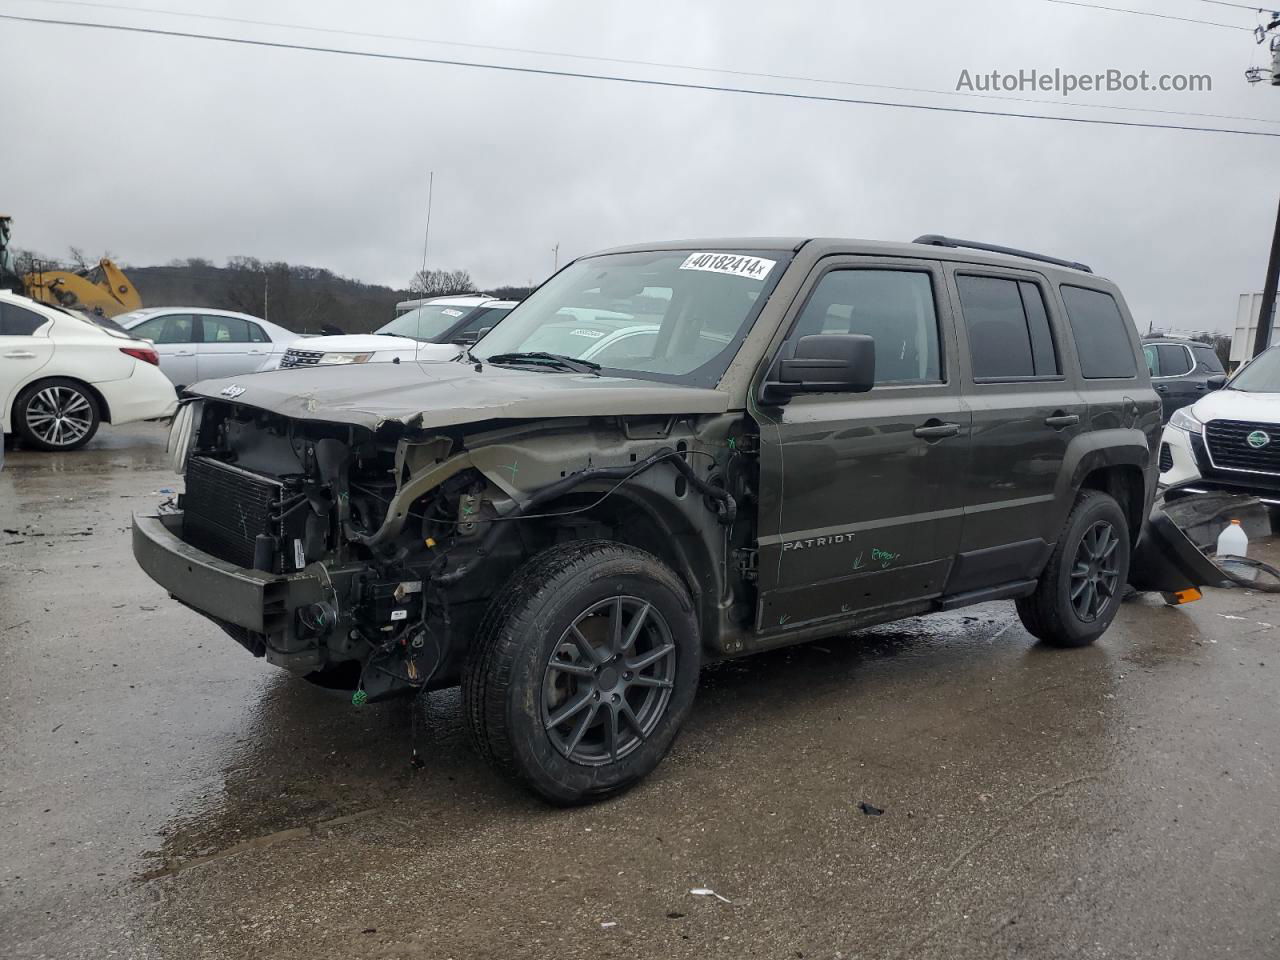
182,434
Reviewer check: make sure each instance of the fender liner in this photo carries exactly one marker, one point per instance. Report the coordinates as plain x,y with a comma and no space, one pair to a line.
1101,449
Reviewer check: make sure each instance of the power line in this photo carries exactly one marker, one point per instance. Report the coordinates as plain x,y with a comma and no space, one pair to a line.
652,63
1241,6
636,81
1150,13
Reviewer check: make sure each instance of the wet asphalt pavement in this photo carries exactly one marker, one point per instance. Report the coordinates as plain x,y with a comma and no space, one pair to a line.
166,795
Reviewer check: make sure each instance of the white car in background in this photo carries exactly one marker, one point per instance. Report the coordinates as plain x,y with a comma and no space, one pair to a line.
1230,439
201,343
435,330
62,374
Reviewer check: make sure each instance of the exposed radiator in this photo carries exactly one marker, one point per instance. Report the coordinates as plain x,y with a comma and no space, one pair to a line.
226,508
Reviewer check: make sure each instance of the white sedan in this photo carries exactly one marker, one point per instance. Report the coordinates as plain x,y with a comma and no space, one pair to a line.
62,374
435,329
202,343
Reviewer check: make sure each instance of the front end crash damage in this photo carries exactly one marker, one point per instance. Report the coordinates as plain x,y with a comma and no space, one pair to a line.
365,557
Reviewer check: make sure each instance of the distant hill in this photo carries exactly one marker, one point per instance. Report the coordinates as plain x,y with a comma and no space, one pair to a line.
302,299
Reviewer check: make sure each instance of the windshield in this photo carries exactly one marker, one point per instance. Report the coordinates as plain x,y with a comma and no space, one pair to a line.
672,315
430,322
1261,375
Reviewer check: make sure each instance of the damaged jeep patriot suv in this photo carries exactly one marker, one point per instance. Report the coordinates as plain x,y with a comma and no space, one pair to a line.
669,454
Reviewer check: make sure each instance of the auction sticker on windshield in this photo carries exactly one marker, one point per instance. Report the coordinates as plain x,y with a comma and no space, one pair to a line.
735,265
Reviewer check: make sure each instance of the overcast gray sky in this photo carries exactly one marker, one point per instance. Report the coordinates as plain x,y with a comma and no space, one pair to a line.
155,148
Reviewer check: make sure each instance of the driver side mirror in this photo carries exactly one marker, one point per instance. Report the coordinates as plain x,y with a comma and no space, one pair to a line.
823,363
469,338
1216,382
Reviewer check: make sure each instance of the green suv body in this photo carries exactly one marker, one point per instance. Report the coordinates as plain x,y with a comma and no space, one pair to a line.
672,453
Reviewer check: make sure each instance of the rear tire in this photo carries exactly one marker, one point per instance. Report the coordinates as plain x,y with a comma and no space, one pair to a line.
583,671
56,414
1083,584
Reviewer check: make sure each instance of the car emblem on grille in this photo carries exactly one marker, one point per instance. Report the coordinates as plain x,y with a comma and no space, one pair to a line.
235,390
1258,439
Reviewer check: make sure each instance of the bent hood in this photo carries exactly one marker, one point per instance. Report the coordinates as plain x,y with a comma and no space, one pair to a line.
448,394
1238,405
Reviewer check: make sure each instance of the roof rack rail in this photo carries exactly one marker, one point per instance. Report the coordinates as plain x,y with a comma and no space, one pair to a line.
937,240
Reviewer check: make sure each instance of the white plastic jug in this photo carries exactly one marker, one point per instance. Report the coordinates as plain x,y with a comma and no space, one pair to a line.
1233,541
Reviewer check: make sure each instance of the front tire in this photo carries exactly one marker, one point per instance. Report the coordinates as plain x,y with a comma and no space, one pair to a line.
1083,584
56,415
584,671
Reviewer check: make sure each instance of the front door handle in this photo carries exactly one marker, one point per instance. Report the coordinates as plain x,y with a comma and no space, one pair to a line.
1161,388
936,430
183,353
20,355
1061,420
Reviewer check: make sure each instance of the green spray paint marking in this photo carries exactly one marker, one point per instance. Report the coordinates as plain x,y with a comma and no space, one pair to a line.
884,557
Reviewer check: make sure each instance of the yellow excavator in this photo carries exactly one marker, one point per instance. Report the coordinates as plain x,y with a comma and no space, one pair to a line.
102,290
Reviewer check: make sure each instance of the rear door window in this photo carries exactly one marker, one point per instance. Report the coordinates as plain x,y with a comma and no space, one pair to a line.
1008,327
1101,334
224,329
1174,359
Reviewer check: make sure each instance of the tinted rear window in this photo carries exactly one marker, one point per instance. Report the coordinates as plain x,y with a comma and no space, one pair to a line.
1208,358
1008,328
18,321
1101,334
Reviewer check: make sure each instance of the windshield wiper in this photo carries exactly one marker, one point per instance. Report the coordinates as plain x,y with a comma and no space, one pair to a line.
540,358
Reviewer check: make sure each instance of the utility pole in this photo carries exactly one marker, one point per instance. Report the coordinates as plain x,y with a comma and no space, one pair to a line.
1266,315
555,257
266,295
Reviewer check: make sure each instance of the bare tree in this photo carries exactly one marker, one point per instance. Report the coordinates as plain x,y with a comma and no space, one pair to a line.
441,283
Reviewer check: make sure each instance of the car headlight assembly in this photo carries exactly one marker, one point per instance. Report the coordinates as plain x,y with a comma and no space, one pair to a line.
334,359
182,435
1184,419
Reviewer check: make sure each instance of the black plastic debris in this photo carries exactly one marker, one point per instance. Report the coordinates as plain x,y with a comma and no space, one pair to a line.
869,810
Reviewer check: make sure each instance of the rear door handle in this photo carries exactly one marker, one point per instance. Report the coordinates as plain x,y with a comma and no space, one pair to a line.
183,353
1161,388
20,355
1060,420
936,430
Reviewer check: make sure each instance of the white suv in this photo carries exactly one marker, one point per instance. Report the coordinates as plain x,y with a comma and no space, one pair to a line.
435,330
63,374
1230,439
